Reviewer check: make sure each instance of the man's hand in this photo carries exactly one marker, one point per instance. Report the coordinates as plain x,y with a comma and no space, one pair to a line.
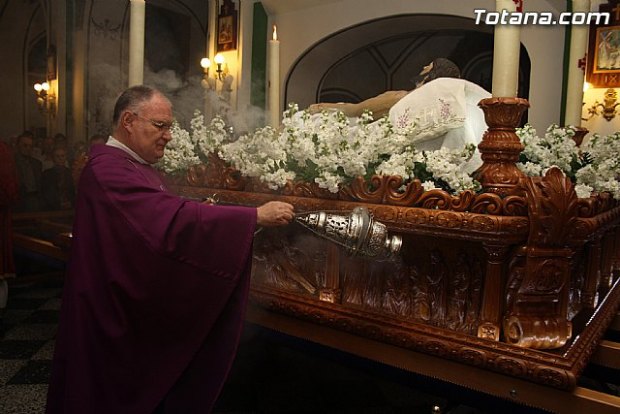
274,213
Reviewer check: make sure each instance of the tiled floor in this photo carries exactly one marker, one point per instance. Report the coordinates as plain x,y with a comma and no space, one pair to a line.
273,373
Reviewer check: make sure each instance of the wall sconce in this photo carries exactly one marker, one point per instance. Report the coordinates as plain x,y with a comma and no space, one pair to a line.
221,74
607,108
46,100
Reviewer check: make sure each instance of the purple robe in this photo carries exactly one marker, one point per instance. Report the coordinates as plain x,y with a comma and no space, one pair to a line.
155,295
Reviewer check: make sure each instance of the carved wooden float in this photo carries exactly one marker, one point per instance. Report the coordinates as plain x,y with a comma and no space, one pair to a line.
521,279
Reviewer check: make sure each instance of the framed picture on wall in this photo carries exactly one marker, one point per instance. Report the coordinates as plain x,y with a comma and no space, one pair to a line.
607,50
603,56
227,27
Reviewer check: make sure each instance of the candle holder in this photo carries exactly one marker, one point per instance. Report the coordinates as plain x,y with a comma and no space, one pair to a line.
580,133
500,147
357,232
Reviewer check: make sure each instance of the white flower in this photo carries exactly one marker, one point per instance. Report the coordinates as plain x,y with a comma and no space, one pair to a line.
556,148
428,185
331,149
602,164
583,190
179,154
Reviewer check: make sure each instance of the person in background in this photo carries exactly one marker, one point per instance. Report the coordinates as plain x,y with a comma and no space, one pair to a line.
57,186
380,105
44,153
157,285
9,193
28,173
98,139
82,158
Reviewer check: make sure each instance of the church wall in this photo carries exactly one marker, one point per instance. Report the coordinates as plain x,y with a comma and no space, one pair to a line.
327,18
175,42
593,97
22,24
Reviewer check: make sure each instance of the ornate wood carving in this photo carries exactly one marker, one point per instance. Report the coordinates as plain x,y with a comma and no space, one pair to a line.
331,290
500,146
539,313
492,299
513,265
593,275
385,190
555,369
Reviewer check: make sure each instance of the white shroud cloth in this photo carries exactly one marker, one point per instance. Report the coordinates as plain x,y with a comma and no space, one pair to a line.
446,114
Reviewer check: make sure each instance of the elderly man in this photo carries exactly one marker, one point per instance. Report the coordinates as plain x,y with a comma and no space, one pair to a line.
157,285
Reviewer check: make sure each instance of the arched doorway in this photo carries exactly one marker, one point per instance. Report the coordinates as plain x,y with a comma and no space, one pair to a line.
385,54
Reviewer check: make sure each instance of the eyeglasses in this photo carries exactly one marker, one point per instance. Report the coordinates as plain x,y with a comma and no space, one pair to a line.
160,125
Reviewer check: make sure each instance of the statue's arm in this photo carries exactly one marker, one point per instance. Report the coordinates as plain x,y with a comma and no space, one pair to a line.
379,105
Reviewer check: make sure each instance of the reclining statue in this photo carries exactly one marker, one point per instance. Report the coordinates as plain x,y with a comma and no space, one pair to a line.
380,105
443,108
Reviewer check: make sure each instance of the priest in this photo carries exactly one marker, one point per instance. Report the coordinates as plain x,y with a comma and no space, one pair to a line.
157,285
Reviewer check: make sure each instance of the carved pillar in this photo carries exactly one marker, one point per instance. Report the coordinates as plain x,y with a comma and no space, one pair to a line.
593,275
493,295
607,260
616,264
539,317
331,291
539,314
500,146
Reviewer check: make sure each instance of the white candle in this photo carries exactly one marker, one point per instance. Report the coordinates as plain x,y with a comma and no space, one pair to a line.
576,67
136,43
274,80
506,49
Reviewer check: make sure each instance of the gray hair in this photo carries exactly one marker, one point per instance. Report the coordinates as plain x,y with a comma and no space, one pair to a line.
132,98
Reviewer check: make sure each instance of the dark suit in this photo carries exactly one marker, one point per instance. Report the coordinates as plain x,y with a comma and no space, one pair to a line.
57,188
29,176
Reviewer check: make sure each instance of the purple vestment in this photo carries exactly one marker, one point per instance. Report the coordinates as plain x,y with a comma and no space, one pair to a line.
155,295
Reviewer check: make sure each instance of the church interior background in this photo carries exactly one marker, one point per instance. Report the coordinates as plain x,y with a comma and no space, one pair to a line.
384,45
329,51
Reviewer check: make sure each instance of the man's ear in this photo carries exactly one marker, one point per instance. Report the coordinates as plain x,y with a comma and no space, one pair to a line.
127,119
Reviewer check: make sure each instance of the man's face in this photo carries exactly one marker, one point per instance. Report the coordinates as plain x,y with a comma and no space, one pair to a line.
48,144
25,145
150,128
59,156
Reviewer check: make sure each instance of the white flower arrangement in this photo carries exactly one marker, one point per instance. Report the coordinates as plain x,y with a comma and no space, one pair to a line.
593,167
180,152
556,148
601,172
330,150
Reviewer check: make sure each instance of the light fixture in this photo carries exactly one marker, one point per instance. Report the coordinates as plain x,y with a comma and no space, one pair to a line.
221,74
46,100
606,109
586,86
219,61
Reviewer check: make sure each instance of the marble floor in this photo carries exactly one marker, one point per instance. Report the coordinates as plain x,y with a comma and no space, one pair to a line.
273,373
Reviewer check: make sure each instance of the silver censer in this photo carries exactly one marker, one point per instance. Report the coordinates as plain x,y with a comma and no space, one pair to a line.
359,233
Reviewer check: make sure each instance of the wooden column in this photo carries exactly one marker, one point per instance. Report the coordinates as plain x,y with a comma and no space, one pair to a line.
500,147
331,291
491,312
